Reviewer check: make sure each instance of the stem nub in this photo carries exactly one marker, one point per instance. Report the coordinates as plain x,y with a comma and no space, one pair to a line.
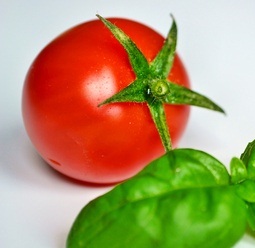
159,88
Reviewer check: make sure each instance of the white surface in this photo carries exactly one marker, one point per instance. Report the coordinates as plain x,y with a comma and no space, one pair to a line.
217,44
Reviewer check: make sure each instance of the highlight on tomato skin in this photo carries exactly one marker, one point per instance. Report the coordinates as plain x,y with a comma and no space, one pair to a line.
63,87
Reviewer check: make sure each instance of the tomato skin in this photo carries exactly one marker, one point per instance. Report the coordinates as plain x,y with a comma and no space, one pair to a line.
62,90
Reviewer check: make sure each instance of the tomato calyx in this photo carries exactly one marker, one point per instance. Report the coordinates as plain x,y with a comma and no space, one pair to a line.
151,85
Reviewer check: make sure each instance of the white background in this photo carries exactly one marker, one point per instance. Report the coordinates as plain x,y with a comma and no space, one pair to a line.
217,45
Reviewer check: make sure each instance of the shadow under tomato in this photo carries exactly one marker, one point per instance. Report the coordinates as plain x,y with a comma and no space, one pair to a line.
22,164
73,180
45,167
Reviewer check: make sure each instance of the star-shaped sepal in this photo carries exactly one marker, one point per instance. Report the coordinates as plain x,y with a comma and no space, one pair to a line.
151,85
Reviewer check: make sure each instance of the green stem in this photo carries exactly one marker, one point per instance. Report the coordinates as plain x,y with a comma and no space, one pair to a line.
158,115
151,85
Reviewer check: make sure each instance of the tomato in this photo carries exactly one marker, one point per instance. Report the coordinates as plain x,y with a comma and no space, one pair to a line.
63,88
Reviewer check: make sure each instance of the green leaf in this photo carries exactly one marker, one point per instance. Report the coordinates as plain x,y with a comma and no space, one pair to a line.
248,157
181,200
251,215
188,168
238,171
246,190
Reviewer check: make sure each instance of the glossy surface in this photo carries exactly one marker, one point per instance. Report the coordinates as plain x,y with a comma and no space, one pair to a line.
38,204
185,193
63,88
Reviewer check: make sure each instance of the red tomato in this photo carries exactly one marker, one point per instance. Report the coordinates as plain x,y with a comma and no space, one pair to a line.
69,78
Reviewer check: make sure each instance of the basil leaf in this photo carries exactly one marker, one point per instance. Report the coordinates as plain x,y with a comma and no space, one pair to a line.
246,190
211,217
188,168
248,157
182,199
251,215
238,170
